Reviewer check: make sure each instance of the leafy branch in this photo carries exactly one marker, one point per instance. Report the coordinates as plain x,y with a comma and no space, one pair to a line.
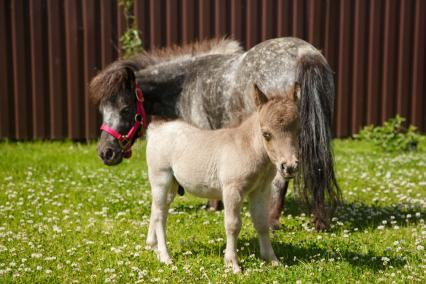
130,41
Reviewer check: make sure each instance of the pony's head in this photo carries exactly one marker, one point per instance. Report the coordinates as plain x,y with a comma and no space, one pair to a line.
280,128
114,90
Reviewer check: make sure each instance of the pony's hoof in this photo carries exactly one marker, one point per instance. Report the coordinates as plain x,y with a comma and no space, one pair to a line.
275,226
321,225
275,263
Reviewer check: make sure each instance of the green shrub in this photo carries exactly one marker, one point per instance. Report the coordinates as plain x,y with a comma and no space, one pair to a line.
393,136
130,41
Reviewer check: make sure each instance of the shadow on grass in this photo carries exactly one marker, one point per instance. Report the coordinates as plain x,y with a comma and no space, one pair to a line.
300,253
365,216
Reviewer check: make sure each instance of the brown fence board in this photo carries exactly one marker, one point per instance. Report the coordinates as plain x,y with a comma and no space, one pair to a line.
418,102
377,50
7,124
40,99
56,70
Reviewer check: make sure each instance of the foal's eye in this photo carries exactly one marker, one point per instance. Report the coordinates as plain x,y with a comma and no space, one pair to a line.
125,110
267,135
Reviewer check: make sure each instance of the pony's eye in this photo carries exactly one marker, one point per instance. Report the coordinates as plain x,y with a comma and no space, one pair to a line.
125,110
267,135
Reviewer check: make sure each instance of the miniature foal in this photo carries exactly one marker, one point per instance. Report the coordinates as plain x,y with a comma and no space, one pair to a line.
226,164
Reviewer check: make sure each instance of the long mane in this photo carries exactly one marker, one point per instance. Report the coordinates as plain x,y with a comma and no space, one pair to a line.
116,76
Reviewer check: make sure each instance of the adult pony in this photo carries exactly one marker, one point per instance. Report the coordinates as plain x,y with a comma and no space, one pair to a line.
207,84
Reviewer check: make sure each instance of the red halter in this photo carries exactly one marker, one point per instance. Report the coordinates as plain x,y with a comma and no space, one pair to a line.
126,141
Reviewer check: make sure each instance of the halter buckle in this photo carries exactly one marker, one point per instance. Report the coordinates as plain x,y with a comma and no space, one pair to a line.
138,117
124,142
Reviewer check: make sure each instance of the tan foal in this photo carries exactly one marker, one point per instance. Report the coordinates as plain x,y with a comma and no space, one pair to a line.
227,164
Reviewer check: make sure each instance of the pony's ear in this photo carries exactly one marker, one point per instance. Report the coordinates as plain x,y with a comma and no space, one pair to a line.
294,92
130,77
259,97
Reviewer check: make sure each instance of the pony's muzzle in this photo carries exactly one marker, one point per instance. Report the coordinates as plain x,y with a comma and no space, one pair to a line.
109,156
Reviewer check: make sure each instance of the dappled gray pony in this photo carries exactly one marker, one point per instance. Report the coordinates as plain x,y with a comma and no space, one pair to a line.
207,84
228,164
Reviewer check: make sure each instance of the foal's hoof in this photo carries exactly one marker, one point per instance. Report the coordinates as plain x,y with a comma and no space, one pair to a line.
275,263
165,259
234,265
151,247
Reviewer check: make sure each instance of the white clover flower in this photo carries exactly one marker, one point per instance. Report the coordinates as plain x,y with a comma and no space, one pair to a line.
36,255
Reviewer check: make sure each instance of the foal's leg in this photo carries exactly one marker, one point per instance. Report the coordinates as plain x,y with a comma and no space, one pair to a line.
164,189
259,204
232,201
279,191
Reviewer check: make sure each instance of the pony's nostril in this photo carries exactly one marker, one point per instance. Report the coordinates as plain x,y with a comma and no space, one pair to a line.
108,154
283,166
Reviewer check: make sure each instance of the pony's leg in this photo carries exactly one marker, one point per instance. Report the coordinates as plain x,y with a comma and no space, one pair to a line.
164,189
279,191
259,204
232,201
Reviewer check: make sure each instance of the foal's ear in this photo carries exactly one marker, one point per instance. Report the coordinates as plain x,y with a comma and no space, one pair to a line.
294,92
259,97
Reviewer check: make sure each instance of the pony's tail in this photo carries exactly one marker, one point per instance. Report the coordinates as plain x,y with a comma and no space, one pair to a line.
316,179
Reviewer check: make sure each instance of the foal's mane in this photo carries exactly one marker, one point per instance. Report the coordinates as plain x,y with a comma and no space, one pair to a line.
119,75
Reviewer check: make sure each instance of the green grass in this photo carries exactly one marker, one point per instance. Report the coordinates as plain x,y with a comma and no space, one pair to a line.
64,217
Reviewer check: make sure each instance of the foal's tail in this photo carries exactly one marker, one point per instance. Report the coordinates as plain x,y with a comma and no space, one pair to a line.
316,179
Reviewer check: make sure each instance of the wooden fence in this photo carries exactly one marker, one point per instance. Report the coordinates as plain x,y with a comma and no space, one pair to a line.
50,49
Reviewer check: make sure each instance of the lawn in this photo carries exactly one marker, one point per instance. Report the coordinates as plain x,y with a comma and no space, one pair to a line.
65,217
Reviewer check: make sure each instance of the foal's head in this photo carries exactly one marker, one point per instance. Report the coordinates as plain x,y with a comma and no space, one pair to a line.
115,92
280,127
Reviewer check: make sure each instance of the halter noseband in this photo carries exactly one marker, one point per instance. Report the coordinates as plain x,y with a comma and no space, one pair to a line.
126,141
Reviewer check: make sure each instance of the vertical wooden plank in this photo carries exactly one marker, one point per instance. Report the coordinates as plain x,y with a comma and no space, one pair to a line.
6,72
21,70
91,60
75,93
237,20
155,23
57,87
172,31
403,86
40,99
108,29
344,69
121,27
267,20
418,102
315,23
142,20
359,62
298,17
284,18
389,59
187,11
252,23
220,19
331,41
331,33
374,65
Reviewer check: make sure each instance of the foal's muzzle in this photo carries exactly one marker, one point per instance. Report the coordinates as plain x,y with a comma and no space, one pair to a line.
288,170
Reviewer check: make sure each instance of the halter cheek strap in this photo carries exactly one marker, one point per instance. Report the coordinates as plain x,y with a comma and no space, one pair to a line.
126,141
